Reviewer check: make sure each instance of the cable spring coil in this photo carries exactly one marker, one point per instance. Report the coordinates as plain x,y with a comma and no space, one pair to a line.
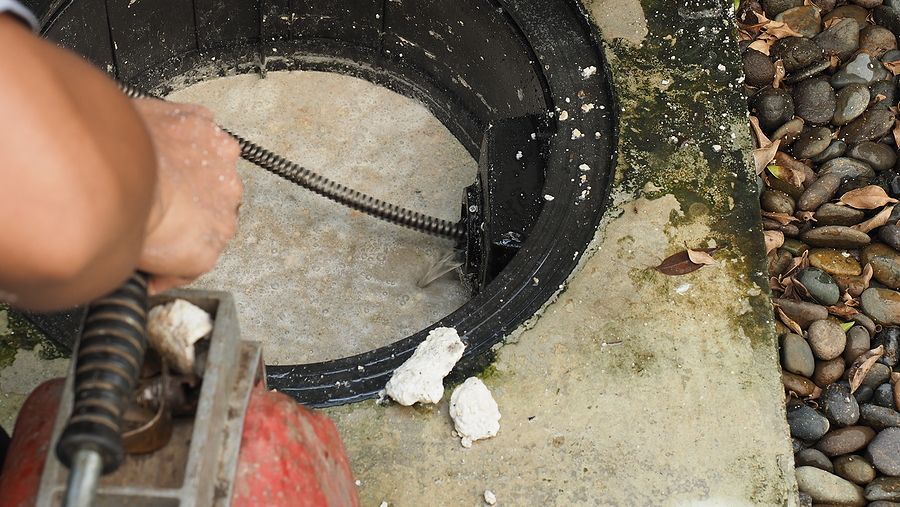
337,192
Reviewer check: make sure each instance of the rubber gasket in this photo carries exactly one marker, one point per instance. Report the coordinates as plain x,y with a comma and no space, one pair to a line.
559,42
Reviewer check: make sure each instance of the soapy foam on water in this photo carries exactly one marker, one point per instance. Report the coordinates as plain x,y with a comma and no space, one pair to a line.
312,279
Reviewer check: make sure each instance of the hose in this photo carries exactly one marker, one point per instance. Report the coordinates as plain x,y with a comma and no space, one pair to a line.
335,191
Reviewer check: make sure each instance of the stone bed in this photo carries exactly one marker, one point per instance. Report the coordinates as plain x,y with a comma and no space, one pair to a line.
822,94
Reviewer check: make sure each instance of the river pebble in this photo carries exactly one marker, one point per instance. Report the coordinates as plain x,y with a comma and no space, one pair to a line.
841,409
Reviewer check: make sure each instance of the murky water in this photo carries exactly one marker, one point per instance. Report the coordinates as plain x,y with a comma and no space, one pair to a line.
312,279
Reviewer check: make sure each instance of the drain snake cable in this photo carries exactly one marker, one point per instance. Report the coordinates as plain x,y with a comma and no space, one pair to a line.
333,190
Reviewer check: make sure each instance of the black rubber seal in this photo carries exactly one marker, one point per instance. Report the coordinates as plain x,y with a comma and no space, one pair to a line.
470,61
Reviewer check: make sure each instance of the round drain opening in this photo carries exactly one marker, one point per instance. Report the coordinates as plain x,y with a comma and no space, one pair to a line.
521,85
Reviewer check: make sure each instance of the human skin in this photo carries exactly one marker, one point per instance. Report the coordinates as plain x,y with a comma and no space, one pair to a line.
94,186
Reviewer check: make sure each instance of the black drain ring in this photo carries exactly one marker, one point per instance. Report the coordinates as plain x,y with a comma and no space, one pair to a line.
560,42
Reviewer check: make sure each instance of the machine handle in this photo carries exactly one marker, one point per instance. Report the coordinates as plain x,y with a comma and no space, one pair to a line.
110,356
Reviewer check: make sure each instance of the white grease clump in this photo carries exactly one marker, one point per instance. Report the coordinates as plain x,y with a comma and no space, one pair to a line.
563,115
588,71
174,328
489,497
576,134
474,412
420,378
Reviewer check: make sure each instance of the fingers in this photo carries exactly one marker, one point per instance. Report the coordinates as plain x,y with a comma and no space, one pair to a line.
160,284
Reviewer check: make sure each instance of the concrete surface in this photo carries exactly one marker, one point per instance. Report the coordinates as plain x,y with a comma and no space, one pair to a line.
631,388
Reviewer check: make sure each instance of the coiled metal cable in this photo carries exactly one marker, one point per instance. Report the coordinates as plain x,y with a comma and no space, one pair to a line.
337,192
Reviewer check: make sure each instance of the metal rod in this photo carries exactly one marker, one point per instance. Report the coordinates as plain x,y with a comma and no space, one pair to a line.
83,477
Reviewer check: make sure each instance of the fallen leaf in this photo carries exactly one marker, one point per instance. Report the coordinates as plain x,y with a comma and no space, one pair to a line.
680,263
843,311
780,30
817,391
773,239
895,379
786,173
793,326
866,275
762,46
896,132
798,263
830,22
847,325
868,197
700,257
781,218
759,136
861,366
779,73
893,66
763,155
878,98
875,222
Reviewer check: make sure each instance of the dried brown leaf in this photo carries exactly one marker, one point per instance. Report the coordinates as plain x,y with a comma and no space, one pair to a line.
773,239
896,132
779,73
781,218
875,222
861,366
700,257
680,263
793,326
763,155
780,30
878,98
895,379
759,137
868,197
866,275
843,311
830,22
798,172
762,45
893,66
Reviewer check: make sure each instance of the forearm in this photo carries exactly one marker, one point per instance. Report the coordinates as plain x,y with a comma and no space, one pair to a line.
77,176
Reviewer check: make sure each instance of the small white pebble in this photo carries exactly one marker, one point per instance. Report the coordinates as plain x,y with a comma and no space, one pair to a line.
576,134
519,155
584,167
383,504
717,148
548,197
588,71
489,497
721,67
681,289
587,107
563,115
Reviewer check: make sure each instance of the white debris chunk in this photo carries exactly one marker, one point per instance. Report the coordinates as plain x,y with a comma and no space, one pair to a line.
474,412
519,155
576,134
563,115
174,328
548,197
587,108
420,378
588,71
489,497
584,167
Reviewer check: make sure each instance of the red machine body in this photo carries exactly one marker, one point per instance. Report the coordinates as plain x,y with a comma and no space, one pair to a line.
290,455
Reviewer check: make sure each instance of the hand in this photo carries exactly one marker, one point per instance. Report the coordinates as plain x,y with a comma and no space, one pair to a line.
198,192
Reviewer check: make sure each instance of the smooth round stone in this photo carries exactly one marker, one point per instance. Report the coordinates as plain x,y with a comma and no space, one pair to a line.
796,53
887,17
826,488
850,102
814,101
834,150
879,503
871,125
885,263
833,214
801,386
884,451
841,408
854,468
890,234
773,8
789,132
806,423
878,374
882,305
807,72
858,343
804,20
773,107
876,40
835,236
819,192
889,337
846,167
853,285
878,417
860,69
887,90
879,156
794,247
796,356
834,262
884,396
758,68
813,458
845,440
820,286
777,202
802,312
865,322
842,38
883,488
863,394
854,12
828,372
811,142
